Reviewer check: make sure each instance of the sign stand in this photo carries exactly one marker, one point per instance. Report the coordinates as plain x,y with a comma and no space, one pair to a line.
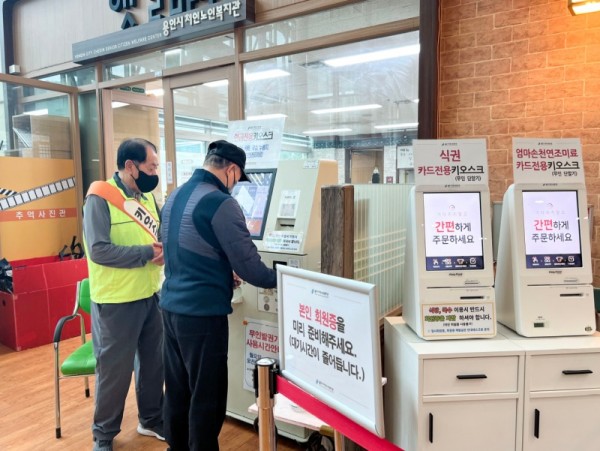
448,290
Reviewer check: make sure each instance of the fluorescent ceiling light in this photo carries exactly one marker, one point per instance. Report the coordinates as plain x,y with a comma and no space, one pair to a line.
217,83
159,92
403,125
42,112
583,6
266,74
266,116
324,132
173,52
374,56
372,106
118,104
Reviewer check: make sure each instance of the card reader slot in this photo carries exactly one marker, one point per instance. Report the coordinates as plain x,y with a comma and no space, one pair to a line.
468,298
571,295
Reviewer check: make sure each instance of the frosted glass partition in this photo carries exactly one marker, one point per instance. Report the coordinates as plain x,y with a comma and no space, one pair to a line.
380,240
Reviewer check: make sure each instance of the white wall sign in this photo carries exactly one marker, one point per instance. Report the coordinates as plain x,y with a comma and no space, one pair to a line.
539,160
260,139
329,331
450,162
262,340
405,157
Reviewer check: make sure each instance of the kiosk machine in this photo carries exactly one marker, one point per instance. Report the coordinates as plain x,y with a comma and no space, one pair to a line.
283,213
448,288
544,271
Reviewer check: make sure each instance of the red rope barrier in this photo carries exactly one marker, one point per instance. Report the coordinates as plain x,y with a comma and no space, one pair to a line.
333,418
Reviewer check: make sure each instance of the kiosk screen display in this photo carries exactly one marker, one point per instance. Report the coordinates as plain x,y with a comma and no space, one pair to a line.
254,197
551,226
453,236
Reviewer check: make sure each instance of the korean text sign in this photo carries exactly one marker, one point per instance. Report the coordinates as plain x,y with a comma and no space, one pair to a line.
450,162
538,160
329,345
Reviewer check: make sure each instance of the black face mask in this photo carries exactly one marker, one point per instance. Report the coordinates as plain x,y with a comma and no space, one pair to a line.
145,182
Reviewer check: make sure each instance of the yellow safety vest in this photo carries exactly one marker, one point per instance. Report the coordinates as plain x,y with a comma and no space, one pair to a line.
110,285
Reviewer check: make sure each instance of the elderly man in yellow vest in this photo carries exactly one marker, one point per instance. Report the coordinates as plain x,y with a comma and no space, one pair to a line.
120,223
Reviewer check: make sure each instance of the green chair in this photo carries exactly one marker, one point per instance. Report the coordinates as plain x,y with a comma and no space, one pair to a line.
81,362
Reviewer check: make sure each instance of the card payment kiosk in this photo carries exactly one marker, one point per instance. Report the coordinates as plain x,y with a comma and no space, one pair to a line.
448,288
544,272
283,214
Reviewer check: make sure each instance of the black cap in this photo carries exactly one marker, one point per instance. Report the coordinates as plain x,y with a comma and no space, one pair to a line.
230,152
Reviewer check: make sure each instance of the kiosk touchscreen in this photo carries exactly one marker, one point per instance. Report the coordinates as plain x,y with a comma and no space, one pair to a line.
283,213
544,274
254,196
448,287
448,283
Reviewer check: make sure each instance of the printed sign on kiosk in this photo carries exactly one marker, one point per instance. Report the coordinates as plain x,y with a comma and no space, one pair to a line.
448,281
544,273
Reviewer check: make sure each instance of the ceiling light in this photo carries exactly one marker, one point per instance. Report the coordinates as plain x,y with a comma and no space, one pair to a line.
372,106
403,125
326,132
374,56
173,52
583,6
266,116
159,92
266,74
216,83
115,104
42,112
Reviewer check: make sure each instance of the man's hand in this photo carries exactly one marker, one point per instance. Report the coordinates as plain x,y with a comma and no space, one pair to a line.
236,281
159,258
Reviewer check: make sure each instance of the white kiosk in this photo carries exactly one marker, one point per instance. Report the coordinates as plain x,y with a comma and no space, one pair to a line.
544,271
283,213
448,288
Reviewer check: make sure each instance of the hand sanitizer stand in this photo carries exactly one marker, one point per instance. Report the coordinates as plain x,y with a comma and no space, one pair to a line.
544,271
448,288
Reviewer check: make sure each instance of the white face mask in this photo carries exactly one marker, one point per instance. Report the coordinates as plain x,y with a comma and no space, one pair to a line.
227,181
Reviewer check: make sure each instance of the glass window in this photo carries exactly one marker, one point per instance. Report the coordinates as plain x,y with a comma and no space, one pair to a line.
346,18
79,77
193,52
339,97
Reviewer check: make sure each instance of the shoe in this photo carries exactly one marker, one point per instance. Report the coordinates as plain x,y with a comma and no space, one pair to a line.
103,445
154,431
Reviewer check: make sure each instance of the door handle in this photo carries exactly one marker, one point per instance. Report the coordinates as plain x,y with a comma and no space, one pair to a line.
536,424
471,376
572,372
430,428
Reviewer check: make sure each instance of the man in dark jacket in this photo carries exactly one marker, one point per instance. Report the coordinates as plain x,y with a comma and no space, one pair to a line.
206,247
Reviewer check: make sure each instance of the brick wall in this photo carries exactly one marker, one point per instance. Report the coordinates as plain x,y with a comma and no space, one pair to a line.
522,68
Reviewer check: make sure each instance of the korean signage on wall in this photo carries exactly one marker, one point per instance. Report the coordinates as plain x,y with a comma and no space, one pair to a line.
450,162
538,160
188,19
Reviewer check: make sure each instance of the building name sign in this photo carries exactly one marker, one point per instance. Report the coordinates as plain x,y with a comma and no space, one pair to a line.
188,19
157,9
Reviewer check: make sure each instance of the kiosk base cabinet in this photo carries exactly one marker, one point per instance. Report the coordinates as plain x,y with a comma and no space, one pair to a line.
451,395
505,393
562,392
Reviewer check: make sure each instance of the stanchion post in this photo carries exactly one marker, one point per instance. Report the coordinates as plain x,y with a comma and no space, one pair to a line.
338,440
264,385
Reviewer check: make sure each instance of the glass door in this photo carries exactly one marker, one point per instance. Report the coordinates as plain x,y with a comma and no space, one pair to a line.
134,111
198,107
